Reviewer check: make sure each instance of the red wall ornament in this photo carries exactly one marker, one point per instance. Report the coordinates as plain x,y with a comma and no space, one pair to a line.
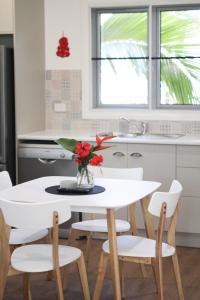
63,47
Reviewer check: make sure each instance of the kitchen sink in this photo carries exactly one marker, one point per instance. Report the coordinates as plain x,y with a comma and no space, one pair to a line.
159,136
144,136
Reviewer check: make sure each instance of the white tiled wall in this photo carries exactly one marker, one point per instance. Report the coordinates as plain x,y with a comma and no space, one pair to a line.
64,86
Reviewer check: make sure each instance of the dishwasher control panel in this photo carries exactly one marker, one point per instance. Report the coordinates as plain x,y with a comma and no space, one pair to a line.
42,149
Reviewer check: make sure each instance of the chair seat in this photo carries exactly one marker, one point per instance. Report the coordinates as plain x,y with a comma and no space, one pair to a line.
100,225
135,246
25,236
38,257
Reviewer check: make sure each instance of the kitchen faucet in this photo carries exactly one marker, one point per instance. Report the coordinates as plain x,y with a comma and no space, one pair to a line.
142,126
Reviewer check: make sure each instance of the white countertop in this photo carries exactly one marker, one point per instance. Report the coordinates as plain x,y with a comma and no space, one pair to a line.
52,135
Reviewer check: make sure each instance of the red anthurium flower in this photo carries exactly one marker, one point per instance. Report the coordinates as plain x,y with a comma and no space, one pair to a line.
82,149
96,160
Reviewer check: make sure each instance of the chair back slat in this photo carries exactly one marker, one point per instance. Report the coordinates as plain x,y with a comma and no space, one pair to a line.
34,215
171,199
5,181
117,173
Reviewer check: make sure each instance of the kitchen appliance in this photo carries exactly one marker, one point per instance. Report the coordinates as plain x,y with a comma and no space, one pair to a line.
38,158
7,112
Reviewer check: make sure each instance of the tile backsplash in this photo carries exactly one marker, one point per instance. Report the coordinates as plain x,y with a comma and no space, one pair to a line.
64,86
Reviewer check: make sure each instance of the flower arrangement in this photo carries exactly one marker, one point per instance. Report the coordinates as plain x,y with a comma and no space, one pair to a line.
85,154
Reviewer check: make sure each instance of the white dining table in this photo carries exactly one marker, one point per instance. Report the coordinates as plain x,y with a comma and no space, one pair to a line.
118,193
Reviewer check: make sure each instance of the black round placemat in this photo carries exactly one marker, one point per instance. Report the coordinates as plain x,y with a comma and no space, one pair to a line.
97,189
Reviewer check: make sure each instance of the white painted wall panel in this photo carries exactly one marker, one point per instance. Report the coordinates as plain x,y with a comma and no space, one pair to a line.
62,16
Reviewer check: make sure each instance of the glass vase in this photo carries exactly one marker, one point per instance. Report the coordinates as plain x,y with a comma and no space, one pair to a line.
85,179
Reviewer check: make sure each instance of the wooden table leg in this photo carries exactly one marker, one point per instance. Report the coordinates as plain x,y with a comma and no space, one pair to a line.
131,210
114,262
148,218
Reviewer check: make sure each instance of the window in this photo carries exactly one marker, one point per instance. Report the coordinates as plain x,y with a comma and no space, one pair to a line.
146,62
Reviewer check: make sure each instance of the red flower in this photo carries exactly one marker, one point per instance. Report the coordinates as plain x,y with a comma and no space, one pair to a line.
82,149
78,160
96,160
99,142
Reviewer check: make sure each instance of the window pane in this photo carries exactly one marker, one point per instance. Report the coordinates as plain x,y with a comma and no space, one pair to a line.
123,81
180,37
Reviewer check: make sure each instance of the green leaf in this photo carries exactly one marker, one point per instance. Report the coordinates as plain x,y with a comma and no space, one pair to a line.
68,144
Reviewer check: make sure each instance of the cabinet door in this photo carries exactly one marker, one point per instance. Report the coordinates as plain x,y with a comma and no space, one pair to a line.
188,173
114,157
6,16
188,217
158,163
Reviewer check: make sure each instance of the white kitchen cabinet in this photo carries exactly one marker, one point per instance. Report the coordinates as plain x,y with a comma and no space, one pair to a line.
116,157
188,173
158,163
6,16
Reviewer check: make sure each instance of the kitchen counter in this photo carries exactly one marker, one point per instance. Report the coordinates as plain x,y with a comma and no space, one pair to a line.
51,135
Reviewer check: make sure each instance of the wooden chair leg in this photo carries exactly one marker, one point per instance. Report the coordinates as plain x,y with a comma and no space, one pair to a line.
3,278
88,245
48,240
101,274
121,266
177,276
159,278
72,236
83,277
26,287
155,277
143,270
59,283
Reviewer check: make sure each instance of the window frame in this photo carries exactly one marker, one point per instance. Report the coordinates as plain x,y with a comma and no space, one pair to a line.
96,53
156,10
91,113
154,47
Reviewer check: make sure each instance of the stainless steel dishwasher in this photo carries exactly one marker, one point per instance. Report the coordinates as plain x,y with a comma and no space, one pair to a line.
38,158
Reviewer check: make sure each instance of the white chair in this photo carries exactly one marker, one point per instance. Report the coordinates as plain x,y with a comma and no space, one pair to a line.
20,236
88,227
36,258
148,251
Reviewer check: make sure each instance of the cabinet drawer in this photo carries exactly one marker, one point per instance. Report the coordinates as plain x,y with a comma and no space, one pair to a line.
188,217
188,156
189,178
158,162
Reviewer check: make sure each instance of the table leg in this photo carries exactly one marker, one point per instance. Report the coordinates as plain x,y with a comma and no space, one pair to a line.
148,218
114,262
131,210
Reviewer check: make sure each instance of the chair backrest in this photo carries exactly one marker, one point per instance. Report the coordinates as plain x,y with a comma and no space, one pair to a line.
34,215
170,198
117,173
5,181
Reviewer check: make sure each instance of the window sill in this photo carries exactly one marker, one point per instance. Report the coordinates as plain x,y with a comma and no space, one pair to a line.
142,114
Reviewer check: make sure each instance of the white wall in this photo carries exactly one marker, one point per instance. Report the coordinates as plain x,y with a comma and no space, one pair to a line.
65,15
62,15
29,65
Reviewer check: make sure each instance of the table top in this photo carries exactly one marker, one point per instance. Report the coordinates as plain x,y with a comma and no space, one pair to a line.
118,193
